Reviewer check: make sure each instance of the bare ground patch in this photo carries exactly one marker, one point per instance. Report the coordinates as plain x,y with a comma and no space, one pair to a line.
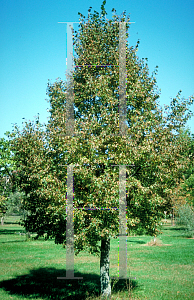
157,242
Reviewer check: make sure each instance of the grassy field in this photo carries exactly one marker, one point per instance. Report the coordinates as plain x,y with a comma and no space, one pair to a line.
29,269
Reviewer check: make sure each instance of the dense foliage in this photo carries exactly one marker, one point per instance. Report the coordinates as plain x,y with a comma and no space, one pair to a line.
154,143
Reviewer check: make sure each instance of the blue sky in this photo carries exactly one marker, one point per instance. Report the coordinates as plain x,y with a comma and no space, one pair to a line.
33,49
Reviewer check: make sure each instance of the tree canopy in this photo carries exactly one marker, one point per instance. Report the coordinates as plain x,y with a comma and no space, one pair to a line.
152,143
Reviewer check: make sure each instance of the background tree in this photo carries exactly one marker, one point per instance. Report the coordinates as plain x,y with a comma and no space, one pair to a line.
14,204
188,184
183,192
3,208
185,217
6,174
152,143
5,165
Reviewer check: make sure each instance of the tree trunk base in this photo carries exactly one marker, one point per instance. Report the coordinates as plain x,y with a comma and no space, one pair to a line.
104,269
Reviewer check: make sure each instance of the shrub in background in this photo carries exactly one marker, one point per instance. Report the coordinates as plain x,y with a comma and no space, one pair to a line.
186,219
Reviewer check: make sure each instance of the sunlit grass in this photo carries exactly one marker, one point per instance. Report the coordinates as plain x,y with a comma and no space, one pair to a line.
29,268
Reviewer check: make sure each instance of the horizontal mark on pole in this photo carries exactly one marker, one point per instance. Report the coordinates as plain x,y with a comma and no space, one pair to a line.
88,165
69,277
69,22
88,22
93,208
122,277
96,65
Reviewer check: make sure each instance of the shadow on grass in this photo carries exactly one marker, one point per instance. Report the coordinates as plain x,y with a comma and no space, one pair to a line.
175,228
175,231
14,232
43,283
16,241
11,222
121,285
10,231
135,241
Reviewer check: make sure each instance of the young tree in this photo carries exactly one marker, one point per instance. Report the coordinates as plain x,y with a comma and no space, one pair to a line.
152,143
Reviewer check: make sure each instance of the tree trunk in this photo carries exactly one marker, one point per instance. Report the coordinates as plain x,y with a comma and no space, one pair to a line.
2,221
104,269
173,217
28,235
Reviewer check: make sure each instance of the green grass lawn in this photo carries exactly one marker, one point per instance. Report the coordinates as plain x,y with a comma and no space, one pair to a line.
29,269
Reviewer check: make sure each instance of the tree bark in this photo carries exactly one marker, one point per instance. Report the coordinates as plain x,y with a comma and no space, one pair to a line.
104,269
